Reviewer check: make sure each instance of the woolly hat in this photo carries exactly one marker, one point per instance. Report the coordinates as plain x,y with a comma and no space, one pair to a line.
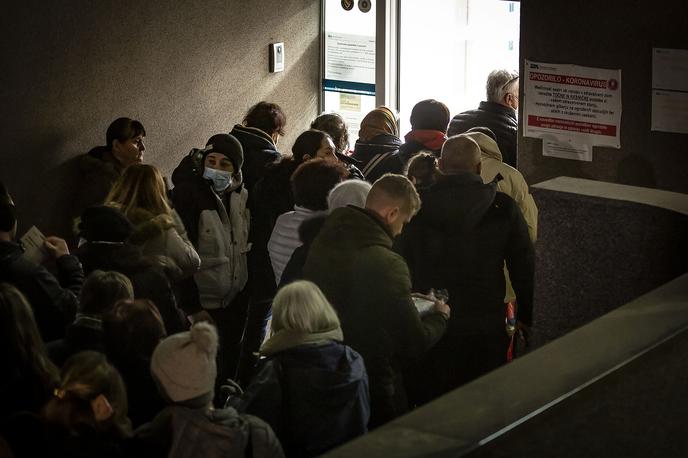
105,224
349,192
184,363
8,215
430,115
229,146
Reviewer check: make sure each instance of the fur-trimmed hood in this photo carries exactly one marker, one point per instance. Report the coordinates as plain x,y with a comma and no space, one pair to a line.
148,226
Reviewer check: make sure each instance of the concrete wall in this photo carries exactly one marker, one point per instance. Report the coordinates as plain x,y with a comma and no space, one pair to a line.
186,69
610,34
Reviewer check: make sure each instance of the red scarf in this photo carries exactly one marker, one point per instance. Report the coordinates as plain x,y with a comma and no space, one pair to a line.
431,139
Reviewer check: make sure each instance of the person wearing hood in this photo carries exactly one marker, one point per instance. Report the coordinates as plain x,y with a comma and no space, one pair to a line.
311,388
259,134
352,261
211,199
377,147
100,168
429,120
461,238
53,299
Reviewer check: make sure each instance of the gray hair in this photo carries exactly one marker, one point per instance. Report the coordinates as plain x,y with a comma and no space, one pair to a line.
302,306
499,84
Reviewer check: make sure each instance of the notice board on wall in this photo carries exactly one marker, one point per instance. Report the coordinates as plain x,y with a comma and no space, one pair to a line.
572,108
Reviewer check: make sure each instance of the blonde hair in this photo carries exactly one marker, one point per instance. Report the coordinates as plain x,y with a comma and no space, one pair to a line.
302,306
141,186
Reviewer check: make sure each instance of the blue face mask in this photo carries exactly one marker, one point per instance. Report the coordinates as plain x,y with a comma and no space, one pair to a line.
221,179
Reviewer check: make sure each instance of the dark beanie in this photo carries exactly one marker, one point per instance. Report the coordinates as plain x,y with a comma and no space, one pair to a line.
430,115
229,146
8,215
104,224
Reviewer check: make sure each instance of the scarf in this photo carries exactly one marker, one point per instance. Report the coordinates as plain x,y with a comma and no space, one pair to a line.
289,338
431,139
378,122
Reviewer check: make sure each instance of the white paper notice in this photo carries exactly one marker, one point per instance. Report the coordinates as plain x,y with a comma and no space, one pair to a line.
350,57
33,242
670,90
573,108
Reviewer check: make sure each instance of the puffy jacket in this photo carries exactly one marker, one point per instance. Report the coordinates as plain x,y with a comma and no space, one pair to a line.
53,300
218,228
498,118
180,431
314,397
259,152
378,156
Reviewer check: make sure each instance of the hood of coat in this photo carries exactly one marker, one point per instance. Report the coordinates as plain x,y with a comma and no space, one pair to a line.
354,228
456,203
288,338
252,138
488,147
99,161
148,226
384,143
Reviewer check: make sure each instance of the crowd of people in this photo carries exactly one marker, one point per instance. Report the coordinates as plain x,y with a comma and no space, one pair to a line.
268,304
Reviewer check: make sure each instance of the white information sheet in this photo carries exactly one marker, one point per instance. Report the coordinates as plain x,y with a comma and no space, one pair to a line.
670,90
572,108
32,242
349,57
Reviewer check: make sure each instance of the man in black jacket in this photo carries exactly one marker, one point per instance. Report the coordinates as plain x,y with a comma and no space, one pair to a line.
53,301
498,113
459,240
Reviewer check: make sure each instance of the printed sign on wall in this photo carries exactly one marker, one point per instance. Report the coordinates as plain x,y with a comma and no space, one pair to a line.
572,108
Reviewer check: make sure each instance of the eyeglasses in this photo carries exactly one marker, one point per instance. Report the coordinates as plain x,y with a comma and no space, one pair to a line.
510,81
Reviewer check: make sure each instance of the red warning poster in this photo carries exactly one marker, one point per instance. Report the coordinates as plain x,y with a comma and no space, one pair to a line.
572,108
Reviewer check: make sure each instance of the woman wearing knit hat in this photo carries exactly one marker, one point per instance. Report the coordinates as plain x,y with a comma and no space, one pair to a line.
312,389
184,368
211,199
429,121
377,147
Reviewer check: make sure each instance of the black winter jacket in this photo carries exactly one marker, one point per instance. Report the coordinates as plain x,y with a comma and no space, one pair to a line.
53,300
259,152
378,156
314,397
86,333
499,119
459,240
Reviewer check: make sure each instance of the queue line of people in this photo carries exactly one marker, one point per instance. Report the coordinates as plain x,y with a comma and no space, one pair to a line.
271,298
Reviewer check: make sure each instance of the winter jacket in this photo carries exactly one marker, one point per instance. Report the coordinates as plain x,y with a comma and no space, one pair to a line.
180,431
149,276
370,287
378,156
285,238
53,300
86,333
307,231
218,228
98,171
496,117
163,235
459,240
259,152
313,395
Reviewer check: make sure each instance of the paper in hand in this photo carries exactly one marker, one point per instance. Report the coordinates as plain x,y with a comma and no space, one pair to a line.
33,242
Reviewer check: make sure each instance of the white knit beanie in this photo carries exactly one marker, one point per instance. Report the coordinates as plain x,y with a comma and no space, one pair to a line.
349,192
184,363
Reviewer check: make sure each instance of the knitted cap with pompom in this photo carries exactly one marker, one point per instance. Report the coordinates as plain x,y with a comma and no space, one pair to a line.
184,363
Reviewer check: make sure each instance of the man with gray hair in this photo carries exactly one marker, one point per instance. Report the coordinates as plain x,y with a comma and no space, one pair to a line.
460,239
498,113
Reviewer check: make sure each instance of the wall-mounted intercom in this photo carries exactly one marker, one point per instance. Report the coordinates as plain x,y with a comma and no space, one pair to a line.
276,57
